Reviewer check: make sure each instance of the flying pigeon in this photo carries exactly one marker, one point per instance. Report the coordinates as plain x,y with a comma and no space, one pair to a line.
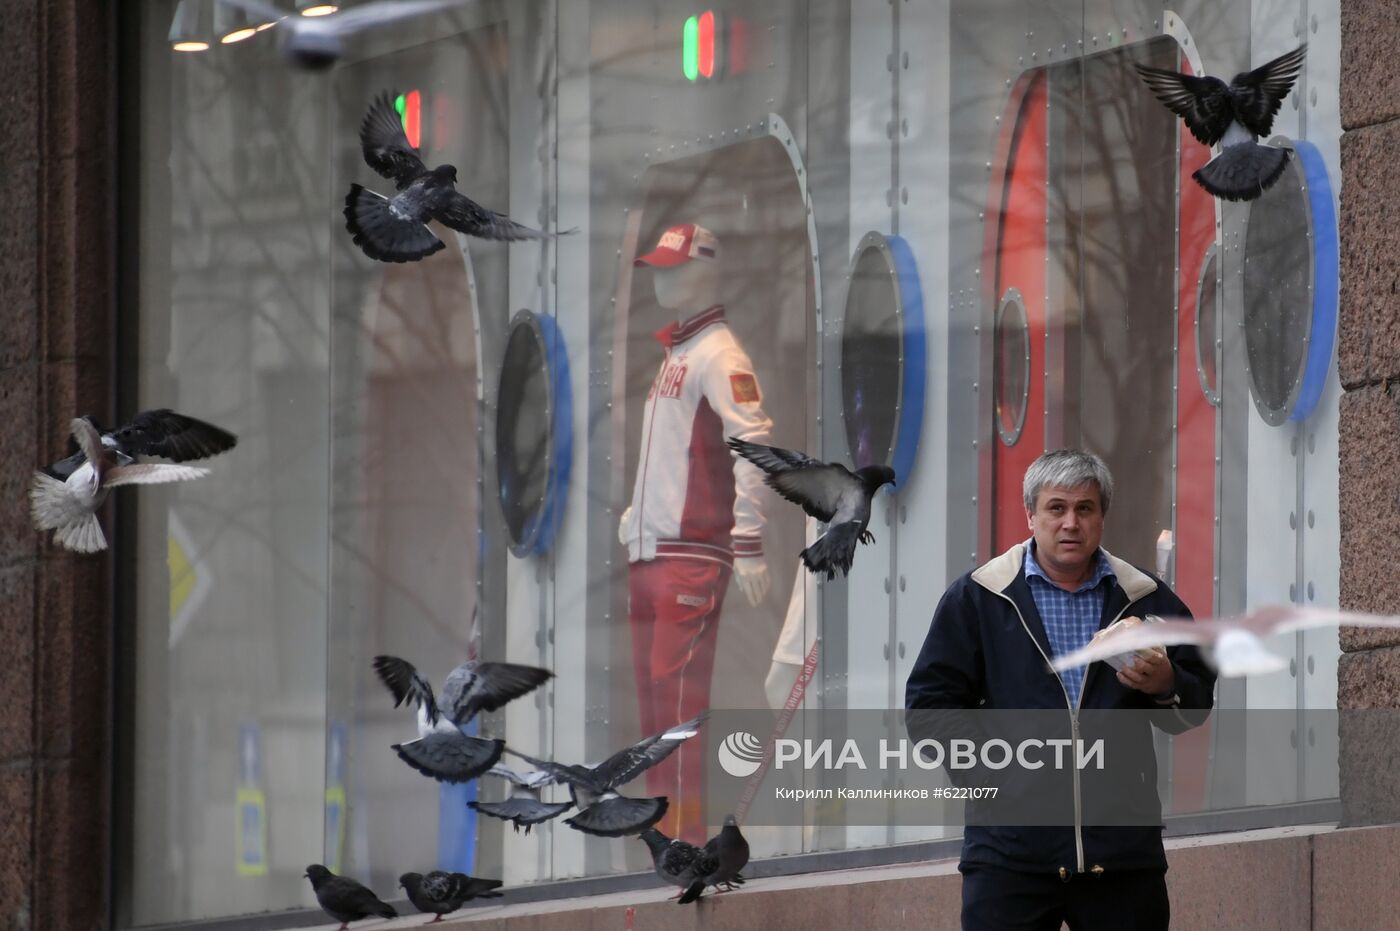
1232,644
316,42
68,506
1234,115
395,229
826,490
602,810
679,862
524,807
160,432
344,899
442,751
440,893
725,855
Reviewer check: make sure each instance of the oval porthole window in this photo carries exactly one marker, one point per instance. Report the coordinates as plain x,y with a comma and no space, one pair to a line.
533,423
1208,332
1011,366
1290,288
883,355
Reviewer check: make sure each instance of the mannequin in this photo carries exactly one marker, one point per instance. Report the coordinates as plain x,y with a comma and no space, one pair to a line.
694,518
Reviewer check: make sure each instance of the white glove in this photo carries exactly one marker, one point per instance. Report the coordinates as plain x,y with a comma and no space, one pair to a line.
622,525
751,572
778,685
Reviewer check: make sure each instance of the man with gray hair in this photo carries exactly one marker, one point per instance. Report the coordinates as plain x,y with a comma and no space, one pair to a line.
990,646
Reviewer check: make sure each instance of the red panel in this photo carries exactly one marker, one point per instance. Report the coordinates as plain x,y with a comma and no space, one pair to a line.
413,118
1017,240
1195,452
706,51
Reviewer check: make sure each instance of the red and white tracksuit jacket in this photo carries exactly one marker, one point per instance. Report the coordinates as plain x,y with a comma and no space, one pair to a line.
693,498
694,508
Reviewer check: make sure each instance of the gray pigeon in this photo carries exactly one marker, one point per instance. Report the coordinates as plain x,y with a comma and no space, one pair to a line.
524,807
602,810
344,899
1234,115
316,42
395,229
68,505
442,751
160,432
728,851
679,862
439,893
827,491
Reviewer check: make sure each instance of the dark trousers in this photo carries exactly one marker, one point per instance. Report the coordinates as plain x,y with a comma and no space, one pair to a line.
995,899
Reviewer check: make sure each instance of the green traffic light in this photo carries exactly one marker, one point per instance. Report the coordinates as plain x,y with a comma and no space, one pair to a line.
690,49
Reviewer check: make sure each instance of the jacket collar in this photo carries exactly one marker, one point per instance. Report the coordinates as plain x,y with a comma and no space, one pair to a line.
676,333
997,574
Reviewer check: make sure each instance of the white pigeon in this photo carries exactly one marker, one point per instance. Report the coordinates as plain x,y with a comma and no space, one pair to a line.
1234,645
316,42
69,506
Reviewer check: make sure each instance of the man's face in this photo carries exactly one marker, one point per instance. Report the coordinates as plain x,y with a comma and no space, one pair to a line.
1067,524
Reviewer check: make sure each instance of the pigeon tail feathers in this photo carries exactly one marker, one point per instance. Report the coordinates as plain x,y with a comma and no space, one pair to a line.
53,507
692,892
383,236
1242,171
450,755
835,549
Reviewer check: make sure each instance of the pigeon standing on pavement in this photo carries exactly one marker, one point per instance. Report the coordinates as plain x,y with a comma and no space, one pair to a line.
602,810
725,855
65,496
395,229
344,899
316,42
827,491
442,751
678,862
524,807
1234,115
439,893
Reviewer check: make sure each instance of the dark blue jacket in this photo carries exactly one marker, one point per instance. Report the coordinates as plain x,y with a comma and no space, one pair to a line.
987,648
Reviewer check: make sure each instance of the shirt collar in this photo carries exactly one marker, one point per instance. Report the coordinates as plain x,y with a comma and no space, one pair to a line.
669,336
1102,570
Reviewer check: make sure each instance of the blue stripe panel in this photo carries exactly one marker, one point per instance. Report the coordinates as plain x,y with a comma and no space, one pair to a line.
457,822
915,346
1324,310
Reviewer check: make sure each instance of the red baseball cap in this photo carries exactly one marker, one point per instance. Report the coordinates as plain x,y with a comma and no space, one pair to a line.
679,245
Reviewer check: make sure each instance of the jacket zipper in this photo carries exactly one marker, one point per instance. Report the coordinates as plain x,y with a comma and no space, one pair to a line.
1074,727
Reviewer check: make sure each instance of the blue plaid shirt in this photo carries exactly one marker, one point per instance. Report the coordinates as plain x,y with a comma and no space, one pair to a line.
1070,618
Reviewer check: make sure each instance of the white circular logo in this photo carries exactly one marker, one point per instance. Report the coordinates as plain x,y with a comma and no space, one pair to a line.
741,754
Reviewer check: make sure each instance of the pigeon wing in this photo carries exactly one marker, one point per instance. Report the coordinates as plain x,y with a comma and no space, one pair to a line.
172,435
406,683
385,146
521,810
618,816
537,779
474,687
1203,102
381,12
1141,637
625,765
1285,619
814,485
581,776
459,212
474,887
1259,93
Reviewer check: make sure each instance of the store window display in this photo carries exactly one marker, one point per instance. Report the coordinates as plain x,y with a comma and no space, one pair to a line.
695,514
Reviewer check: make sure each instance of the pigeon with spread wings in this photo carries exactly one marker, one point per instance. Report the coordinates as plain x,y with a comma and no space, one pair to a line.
442,751
1234,645
394,229
524,808
316,42
1234,115
602,810
158,432
65,496
827,491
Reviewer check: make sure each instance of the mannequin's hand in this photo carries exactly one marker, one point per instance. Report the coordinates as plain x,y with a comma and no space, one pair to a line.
778,685
622,526
751,572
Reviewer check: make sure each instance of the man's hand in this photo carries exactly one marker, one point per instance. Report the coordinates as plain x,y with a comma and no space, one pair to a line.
622,526
1151,674
751,572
